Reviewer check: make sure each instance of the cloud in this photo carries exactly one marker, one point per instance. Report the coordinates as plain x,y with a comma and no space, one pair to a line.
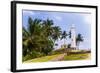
29,12
58,18
55,16
87,19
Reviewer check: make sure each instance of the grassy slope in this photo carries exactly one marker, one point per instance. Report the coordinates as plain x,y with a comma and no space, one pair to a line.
76,57
43,59
66,58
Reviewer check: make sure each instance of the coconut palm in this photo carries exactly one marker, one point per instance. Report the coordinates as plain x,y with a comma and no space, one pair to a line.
56,33
69,34
79,39
52,32
64,36
47,27
32,29
39,36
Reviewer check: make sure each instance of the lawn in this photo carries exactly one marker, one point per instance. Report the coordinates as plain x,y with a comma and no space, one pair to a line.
43,59
76,57
66,58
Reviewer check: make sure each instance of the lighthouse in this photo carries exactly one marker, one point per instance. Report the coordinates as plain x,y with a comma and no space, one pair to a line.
73,37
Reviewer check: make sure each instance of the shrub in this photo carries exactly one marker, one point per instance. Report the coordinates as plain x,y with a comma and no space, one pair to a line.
32,55
27,57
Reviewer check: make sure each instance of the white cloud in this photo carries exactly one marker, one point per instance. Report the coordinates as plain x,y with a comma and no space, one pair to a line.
58,18
87,19
29,12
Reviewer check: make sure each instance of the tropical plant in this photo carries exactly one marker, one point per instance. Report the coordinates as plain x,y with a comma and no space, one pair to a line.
28,35
56,33
79,39
47,27
69,34
64,36
39,37
69,45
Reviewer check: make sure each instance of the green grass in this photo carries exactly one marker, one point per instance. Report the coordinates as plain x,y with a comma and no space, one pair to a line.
66,58
42,59
76,57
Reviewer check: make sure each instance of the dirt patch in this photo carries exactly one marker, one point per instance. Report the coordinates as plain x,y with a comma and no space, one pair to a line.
59,58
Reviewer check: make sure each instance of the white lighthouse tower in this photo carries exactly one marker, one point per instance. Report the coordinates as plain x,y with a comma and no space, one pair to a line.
73,37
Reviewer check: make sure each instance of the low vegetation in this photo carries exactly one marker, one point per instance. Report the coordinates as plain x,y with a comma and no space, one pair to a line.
43,59
76,57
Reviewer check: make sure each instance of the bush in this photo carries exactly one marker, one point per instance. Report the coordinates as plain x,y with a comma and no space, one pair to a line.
32,55
27,57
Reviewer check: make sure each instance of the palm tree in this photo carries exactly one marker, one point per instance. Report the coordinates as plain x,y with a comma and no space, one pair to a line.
52,32
39,37
69,34
64,36
29,33
47,27
25,41
79,39
56,33
69,45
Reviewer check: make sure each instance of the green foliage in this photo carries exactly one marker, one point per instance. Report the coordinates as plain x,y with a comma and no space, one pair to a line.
69,34
79,39
59,51
64,36
39,38
69,45
32,55
27,57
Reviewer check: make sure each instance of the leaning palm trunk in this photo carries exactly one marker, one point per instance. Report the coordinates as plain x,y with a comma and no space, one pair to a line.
64,42
77,46
65,47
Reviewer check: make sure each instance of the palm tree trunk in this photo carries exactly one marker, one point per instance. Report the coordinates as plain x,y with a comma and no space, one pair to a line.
78,46
64,41
64,46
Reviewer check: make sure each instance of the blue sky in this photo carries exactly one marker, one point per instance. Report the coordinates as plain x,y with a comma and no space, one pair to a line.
82,22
